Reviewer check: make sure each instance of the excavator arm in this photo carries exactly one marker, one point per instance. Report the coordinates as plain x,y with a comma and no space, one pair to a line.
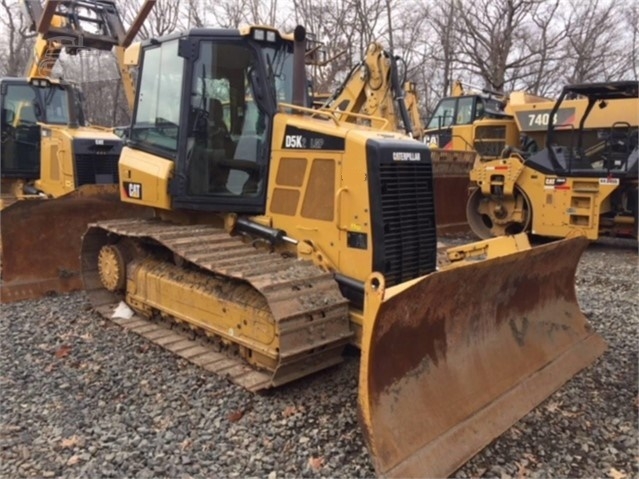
412,106
373,88
74,25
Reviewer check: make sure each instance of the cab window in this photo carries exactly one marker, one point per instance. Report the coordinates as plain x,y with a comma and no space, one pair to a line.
227,144
465,111
20,153
444,114
157,115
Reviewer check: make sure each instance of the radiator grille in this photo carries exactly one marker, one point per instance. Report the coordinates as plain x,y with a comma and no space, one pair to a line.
96,169
408,217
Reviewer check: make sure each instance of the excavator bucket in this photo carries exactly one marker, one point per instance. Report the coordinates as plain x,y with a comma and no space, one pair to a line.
41,239
453,360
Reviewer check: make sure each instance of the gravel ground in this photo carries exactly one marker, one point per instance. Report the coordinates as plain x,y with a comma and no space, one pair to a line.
81,398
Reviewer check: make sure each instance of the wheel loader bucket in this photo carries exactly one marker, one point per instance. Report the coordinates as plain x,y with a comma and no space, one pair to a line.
453,360
41,239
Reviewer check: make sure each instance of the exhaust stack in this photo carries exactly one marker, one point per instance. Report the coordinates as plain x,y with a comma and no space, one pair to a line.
299,68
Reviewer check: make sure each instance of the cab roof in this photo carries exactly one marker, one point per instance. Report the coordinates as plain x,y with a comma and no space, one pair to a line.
606,90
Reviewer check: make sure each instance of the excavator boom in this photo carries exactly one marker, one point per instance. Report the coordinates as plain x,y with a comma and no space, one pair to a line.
75,25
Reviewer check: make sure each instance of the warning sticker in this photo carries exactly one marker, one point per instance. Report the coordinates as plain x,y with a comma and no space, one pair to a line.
609,181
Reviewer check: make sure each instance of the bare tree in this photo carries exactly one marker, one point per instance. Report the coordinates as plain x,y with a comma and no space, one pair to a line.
542,73
346,28
631,16
441,49
17,39
537,45
162,20
595,48
196,17
490,40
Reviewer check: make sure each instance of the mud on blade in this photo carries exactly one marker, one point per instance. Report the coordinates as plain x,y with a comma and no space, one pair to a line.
41,239
454,360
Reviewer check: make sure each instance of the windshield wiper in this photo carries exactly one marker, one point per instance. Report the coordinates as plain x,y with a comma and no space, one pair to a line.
49,96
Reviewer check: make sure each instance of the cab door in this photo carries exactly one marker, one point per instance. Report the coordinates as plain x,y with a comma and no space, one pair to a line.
20,132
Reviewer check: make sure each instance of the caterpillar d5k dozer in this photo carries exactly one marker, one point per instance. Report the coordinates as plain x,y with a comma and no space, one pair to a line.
283,233
58,172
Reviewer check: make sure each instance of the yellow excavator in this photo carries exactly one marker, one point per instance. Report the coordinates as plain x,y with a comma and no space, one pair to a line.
281,233
374,94
583,182
58,172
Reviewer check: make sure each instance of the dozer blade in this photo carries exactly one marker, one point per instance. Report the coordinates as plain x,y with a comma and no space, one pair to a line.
453,360
41,239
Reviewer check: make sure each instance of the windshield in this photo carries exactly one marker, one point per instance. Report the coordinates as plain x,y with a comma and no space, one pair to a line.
56,104
157,114
493,107
443,115
44,104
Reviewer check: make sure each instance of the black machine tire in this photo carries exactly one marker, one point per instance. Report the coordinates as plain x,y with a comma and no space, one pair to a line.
490,216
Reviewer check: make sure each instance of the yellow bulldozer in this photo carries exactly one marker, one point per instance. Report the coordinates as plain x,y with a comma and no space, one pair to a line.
583,182
58,172
282,233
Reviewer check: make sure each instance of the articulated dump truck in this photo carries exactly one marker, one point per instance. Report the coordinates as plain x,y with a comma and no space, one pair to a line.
282,234
58,172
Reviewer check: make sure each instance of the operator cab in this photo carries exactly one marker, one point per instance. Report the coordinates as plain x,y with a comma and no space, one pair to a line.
610,152
206,101
26,105
460,110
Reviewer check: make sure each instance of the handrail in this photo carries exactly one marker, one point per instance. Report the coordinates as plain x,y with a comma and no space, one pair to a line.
332,114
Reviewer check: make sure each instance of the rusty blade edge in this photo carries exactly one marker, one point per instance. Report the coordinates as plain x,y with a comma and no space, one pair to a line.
466,439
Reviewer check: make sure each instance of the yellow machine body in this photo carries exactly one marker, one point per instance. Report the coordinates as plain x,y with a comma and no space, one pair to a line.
532,117
57,166
584,182
561,206
525,114
341,247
